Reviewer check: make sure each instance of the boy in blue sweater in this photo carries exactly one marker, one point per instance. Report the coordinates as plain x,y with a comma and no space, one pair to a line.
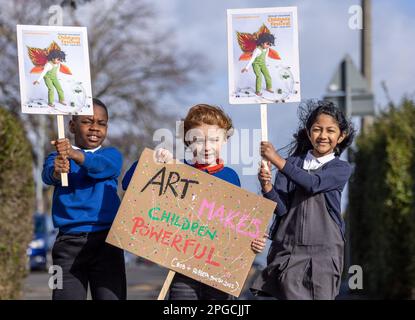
85,210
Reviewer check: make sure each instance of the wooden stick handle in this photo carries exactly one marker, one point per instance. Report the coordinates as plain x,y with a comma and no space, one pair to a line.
166,285
264,128
61,135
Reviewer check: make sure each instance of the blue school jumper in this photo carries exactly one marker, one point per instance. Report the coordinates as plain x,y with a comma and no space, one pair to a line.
90,202
305,260
84,212
182,287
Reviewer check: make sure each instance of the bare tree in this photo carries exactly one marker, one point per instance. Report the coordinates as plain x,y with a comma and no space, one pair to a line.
134,65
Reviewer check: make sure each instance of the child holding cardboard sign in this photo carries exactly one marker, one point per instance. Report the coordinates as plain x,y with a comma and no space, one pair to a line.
85,210
206,129
305,260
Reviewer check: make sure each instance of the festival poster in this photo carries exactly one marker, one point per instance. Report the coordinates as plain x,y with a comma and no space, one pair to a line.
191,222
263,57
54,70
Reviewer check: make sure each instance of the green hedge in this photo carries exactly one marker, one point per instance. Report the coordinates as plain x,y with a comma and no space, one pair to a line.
16,204
382,205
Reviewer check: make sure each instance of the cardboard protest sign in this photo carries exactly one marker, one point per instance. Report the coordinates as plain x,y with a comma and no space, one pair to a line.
191,222
263,58
54,70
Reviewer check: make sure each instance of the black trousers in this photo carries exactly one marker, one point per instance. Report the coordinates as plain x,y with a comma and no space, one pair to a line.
185,288
86,258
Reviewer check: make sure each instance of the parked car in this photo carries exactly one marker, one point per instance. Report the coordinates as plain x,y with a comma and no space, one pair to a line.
44,234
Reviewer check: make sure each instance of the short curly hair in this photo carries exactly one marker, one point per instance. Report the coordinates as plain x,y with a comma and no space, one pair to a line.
207,114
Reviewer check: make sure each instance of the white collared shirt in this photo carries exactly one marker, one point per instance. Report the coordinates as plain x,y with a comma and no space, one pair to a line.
313,163
87,150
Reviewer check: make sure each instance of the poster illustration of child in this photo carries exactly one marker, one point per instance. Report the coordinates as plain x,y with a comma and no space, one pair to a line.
264,40
54,70
54,58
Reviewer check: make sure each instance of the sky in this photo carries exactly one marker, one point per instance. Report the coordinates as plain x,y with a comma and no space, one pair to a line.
324,40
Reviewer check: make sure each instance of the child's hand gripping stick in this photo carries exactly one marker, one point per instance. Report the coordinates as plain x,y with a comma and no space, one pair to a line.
61,135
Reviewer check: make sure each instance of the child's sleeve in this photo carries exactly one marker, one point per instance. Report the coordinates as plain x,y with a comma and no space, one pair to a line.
48,169
255,54
103,165
237,181
333,177
128,175
46,68
233,178
279,194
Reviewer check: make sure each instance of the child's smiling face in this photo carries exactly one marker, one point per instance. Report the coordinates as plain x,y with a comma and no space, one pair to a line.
206,142
56,61
90,131
325,135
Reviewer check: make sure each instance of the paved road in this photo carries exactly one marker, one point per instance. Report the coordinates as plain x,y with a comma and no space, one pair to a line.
144,281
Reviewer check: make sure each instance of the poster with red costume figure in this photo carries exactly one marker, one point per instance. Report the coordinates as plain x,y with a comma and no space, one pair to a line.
54,70
263,58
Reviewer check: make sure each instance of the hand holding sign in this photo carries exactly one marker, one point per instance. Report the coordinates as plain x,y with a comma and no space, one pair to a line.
265,176
63,147
62,166
258,244
268,151
163,156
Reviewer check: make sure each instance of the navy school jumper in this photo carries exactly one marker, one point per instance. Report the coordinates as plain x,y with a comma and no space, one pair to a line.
330,180
305,260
